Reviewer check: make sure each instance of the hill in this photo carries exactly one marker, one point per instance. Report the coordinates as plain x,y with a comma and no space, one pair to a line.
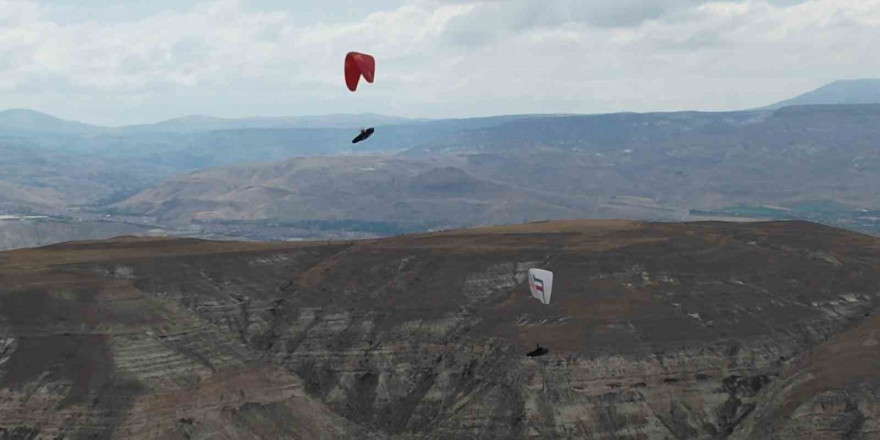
29,231
23,120
697,330
423,192
853,91
809,162
34,180
196,142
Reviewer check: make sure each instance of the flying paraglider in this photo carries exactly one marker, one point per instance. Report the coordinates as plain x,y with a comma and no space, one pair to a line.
357,65
363,136
541,284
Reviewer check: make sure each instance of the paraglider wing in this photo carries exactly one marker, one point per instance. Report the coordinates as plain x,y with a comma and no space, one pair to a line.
363,136
541,284
357,65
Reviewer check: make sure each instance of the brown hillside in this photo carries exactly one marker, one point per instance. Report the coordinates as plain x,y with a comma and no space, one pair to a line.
656,330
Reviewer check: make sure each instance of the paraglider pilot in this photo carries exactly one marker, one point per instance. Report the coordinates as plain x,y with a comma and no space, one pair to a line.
539,351
363,136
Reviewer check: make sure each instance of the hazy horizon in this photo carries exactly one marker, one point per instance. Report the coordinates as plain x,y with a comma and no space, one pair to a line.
112,65
174,117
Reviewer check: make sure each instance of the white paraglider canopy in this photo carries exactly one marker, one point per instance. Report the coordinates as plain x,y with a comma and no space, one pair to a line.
541,284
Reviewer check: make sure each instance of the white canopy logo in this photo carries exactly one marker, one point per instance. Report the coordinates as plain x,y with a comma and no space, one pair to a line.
541,284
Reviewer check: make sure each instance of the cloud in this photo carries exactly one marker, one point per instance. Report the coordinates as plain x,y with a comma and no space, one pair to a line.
206,45
497,17
436,58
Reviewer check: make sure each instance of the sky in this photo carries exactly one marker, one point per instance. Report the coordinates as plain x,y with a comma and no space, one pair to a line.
100,62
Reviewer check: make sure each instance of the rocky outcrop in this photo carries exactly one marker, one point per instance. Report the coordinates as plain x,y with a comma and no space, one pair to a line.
656,331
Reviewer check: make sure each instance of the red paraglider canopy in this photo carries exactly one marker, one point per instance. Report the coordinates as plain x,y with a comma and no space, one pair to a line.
357,65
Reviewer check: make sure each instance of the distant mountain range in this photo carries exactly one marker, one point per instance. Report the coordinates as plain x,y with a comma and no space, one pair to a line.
857,91
24,120
194,123
49,165
852,91
812,161
654,166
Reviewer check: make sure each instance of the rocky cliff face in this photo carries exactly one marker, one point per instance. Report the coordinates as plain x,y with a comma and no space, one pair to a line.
656,331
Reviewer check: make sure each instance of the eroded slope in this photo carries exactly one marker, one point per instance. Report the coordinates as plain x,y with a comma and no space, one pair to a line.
700,330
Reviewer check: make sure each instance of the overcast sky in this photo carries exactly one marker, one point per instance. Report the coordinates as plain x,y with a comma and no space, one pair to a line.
98,62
